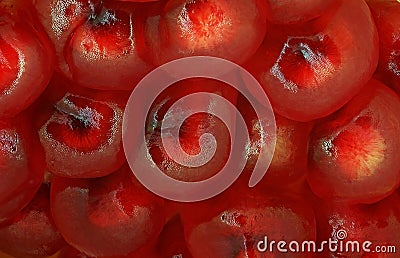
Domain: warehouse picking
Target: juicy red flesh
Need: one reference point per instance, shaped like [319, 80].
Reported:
[228, 29]
[385, 14]
[59, 19]
[83, 137]
[26, 65]
[171, 241]
[352, 153]
[22, 166]
[34, 220]
[304, 59]
[336, 138]
[289, 162]
[115, 214]
[238, 224]
[106, 51]
[190, 131]
[312, 70]
[296, 11]
[378, 223]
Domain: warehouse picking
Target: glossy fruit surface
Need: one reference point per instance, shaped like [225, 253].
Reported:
[105, 52]
[108, 216]
[312, 70]
[353, 152]
[228, 29]
[296, 11]
[83, 137]
[25, 66]
[328, 67]
[34, 220]
[232, 227]
[385, 14]
[289, 162]
[189, 133]
[377, 223]
[22, 165]
[59, 19]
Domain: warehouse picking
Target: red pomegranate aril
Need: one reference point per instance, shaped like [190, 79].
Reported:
[59, 86]
[378, 223]
[190, 131]
[26, 66]
[32, 233]
[106, 51]
[296, 11]
[289, 162]
[312, 69]
[22, 165]
[337, 129]
[228, 29]
[138, 1]
[171, 241]
[108, 216]
[386, 15]
[232, 226]
[70, 252]
[59, 19]
[352, 155]
[82, 138]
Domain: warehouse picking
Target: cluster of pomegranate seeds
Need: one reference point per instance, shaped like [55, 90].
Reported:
[331, 71]
[232, 226]
[32, 232]
[378, 222]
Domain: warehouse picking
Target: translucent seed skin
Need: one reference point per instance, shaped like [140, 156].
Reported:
[108, 216]
[353, 153]
[32, 232]
[22, 165]
[26, 65]
[83, 138]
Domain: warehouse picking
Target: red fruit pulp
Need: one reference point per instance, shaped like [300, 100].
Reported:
[16, 238]
[313, 69]
[232, 226]
[316, 57]
[352, 153]
[171, 241]
[22, 166]
[378, 223]
[296, 11]
[191, 130]
[106, 51]
[59, 19]
[25, 66]
[134, 1]
[289, 162]
[386, 15]
[228, 29]
[83, 137]
[108, 216]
